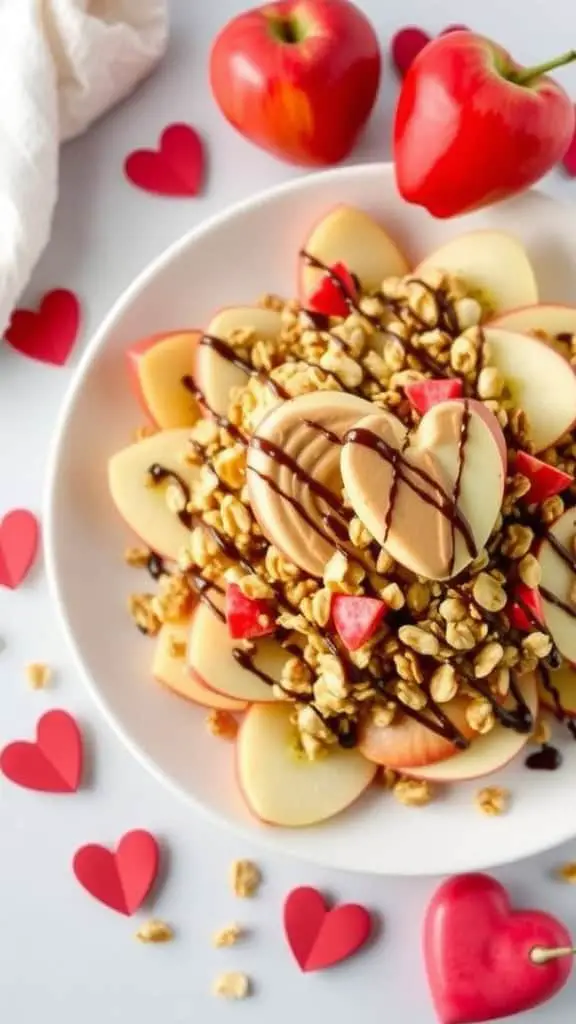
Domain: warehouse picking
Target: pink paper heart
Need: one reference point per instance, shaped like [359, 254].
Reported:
[19, 536]
[121, 878]
[176, 168]
[53, 762]
[48, 333]
[319, 937]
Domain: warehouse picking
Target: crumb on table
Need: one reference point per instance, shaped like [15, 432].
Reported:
[245, 878]
[227, 936]
[232, 985]
[567, 872]
[155, 931]
[38, 674]
[493, 800]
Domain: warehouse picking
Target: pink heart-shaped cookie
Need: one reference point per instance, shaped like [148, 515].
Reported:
[477, 951]
[430, 497]
[319, 937]
[19, 536]
[176, 168]
[47, 334]
[52, 764]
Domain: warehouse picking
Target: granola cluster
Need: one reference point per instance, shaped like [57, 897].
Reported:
[438, 640]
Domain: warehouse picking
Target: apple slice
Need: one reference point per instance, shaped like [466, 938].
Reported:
[350, 236]
[487, 753]
[280, 785]
[553, 319]
[534, 371]
[545, 480]
[156, 366]
[407, 743]
[172, 671]
[212, 662]
[493, 264]
[564, 682]
[558, 579]
[143, 507]
[215, 374]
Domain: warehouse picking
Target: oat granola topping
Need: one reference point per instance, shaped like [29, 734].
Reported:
[245, 878]
[38, 674]
[232, 985]
[155, 931]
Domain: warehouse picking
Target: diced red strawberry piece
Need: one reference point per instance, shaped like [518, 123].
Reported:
[546, 480]
[356, 618]
[246, 617]
[525, 610]
[423, 394]
[328, 297]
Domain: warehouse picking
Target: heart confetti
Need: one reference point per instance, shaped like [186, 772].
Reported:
[409, 41]
[569, 158]
[479, 952]
[176, 168]
[123, 878]
[53, 764]
[47, 334]
[19, 537]
[319, 937]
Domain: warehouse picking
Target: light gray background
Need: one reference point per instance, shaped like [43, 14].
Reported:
[64, 958]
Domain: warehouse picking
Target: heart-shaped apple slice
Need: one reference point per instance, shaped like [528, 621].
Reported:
[557, 559]
[213, 664]
[350, 236]
[534, 371]
[294, 474]
[218, 371]
[493, 264]
[142, 506]
[280, 785]
[431, 498]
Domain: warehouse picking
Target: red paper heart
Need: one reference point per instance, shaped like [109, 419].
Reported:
[477, 952]
[53, 764]
[319, 937]
[49, 333]
[19, 536]
[409, 41]
[176, 168]
[569, 158]
[122, 878]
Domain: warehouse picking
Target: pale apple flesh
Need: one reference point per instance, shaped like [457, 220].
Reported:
[281, 785]
[558, 578]
[563, 681]
[494, 265]
[534, 372]
[172, 670]
[215, 374]
[211, 659]
[407, 743]
[548, 317]
[157, 366]
[144, 507]
[350, 236]
[486, 754]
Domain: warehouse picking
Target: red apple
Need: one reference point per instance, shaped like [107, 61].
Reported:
[473, 126]
[298, 77]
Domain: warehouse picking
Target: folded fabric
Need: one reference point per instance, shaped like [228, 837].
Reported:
[62, 64]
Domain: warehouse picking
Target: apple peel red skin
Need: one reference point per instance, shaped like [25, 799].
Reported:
[497, 138]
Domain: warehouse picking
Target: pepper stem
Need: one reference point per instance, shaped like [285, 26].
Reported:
[540, 955]
[525, 76]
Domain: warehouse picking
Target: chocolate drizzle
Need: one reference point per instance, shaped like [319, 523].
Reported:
[440, 500]
[222, 421]
[463, 438]
[279, 456]
[547, 759]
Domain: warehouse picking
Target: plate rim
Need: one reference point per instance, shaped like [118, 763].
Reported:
[69, 402]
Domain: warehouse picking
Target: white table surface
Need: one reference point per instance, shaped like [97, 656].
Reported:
[63, 957]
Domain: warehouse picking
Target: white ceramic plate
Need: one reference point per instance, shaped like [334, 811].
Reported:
[232, 259]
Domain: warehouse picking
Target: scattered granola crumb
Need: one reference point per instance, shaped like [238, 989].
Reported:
[155, 931]
[141, 433]
[413, 792]
[245, 878]
[227, 936]
[232, 985]
[567, 872]
[387, 778]
[222, 724]
[493, 800]
[136, 557]
[38, 674]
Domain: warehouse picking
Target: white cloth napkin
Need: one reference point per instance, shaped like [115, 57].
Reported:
[62, 64]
